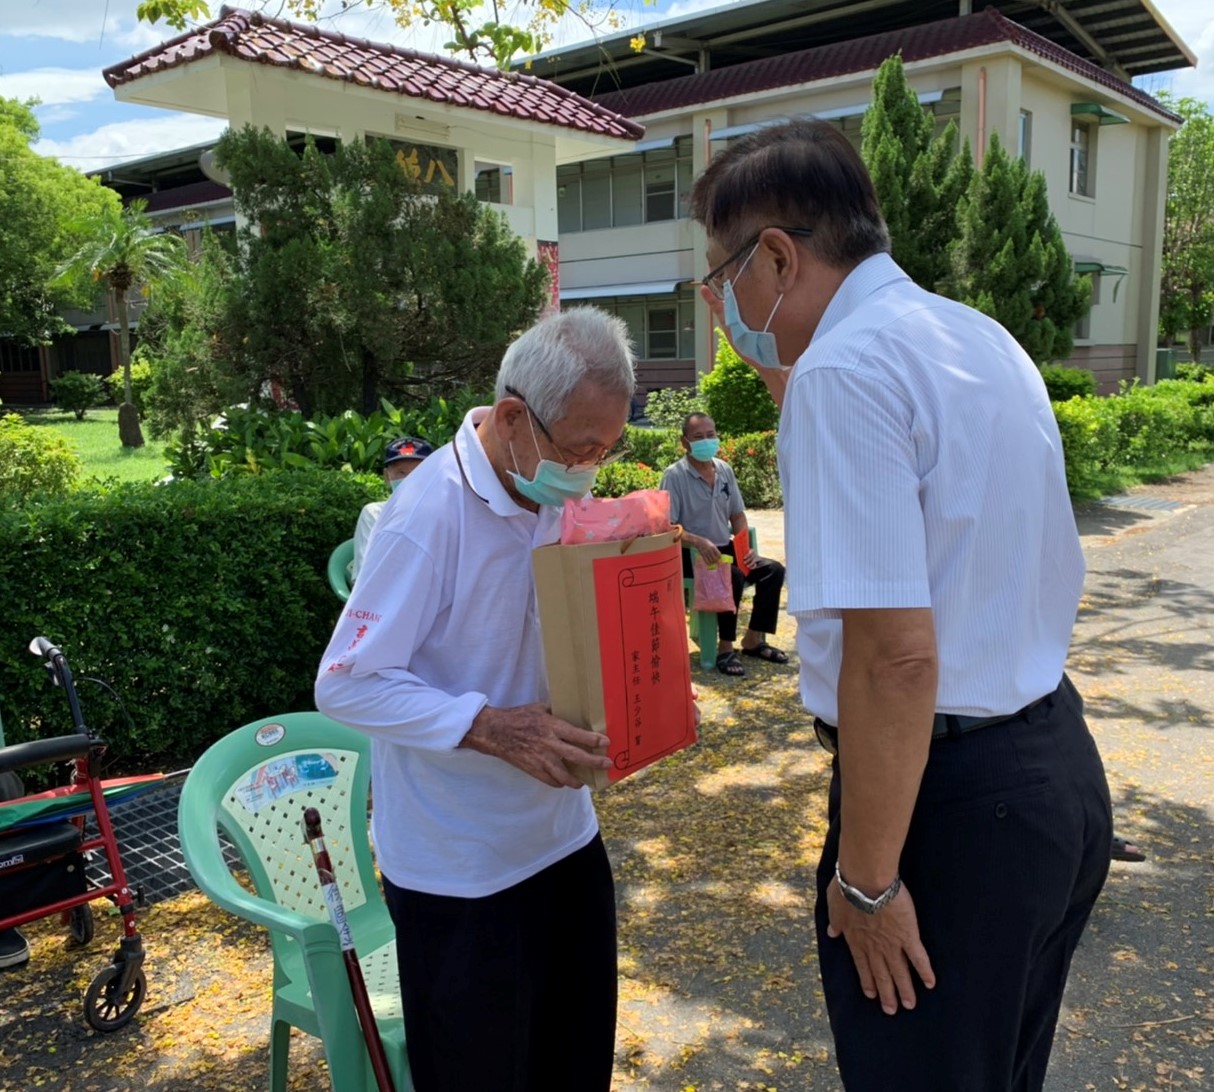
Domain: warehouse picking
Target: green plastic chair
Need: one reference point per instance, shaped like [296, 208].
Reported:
[339, 569]
[253, 786]
[703, 623]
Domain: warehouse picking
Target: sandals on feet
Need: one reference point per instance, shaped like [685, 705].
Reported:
[1125, 850]
[729, 664]
[764, 651]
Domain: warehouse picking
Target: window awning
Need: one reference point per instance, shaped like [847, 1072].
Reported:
[1102, 269]
[601, 291]
[655, 144]
[1097, 110]
[730, 131]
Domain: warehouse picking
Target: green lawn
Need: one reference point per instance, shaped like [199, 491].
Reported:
[95, 440]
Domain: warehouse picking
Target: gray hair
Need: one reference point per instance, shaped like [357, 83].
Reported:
[546, 364]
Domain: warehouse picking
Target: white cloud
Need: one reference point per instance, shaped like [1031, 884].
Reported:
[1194, 25]
[125, 140]
[81, 21]
[54, 86]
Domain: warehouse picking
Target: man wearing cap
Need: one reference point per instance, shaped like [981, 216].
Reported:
[401, 458]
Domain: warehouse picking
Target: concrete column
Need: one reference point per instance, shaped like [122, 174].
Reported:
[990, 103]
[1154, 196]
[702, 125]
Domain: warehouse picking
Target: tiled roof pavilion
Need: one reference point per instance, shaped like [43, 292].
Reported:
[440, 81]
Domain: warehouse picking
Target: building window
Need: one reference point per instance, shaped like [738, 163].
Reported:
[661, 327]
[626, 190]
[16, 357]
[1026, 137]
[1083, 181]
[494, 184]
[1083, 328]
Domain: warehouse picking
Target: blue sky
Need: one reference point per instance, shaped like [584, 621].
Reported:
[55, 50]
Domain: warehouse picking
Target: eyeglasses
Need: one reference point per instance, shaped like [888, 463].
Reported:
[573, 460]
[715, 280]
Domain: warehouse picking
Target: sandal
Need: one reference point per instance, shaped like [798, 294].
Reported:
[1125, 850]
[729, 664]
[764, 651]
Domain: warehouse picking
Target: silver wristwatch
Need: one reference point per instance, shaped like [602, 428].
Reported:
[860, 900]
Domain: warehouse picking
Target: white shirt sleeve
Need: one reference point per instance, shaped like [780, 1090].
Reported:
[849, 468]
[367, 519]
[364, 679]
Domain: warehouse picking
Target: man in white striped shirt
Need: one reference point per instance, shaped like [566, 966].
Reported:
[934, 571]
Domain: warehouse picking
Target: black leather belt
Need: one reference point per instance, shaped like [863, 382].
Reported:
[944, 725]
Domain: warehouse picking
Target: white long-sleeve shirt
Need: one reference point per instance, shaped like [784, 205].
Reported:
[441, 623]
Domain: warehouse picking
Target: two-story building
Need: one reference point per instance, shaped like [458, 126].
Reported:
[1052, 80]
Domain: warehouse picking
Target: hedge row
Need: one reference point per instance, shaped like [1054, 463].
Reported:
[203, 604]
[1141, 428]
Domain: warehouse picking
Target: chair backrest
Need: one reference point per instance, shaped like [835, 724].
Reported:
[339, 569]
[254, 784]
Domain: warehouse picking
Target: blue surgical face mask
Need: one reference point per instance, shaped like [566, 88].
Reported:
[395, 484]
[704, 450]
[552, 484]
[757, 345]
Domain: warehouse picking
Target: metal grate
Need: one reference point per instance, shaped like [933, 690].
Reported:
[1154, 504]
[146, 829]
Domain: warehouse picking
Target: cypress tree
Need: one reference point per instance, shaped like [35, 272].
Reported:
[1010, 260]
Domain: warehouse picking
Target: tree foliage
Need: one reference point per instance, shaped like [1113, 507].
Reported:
[919, 177]
[984, 237]
[1187, 291]
[1011, 262]
[45, 211]
[494, 40]
[352, 287]
[124, 249]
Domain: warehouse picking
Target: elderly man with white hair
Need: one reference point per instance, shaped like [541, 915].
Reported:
[494, 870]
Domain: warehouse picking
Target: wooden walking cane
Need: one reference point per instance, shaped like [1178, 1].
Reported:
[337, 915]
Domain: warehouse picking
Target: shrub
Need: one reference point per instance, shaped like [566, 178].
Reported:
[203, 604]
[1066, 383]
[616, 479]
[753, 459]
[1089, 441]
[33, 460]
[78, 392]
[735, 397]
[141, 382]
[1194, 373]
[249, 441]
[657, 447]
[666, 408]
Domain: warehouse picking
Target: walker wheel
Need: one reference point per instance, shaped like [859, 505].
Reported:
[104, 1007]
[80, 924]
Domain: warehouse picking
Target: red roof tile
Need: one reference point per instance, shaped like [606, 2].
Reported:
[862, 55]
[253, 37]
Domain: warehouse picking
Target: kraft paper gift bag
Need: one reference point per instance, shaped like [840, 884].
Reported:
[615, 642]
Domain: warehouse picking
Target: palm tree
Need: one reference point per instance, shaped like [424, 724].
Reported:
[123, 250]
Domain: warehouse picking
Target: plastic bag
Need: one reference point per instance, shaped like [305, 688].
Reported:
[714, 586]
[617, 519]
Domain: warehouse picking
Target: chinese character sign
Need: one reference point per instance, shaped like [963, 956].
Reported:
[434, 168]
[643, 652]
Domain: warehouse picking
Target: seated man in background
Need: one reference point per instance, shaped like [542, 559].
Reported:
[401, 458]
[705, 499]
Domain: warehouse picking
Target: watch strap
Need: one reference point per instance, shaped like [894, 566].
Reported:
[863, 902]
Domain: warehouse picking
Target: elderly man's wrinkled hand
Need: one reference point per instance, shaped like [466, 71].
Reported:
[708, 552]
[530, 738]
[884, 946]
